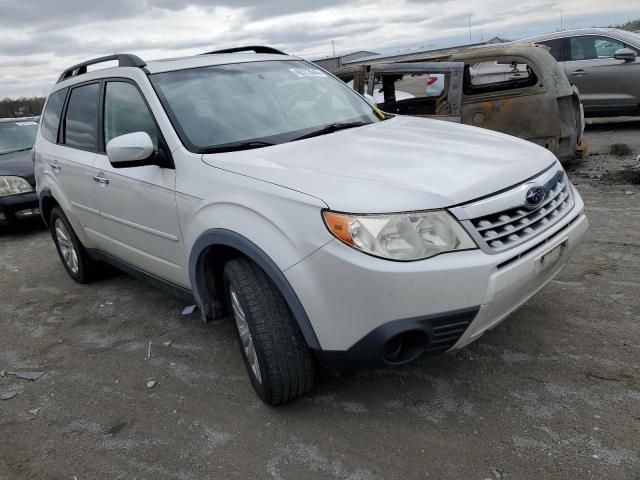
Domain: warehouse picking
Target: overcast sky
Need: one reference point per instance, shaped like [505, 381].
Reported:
[42, 37]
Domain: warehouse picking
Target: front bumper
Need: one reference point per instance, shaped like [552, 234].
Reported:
[14, 208]
[354, 301]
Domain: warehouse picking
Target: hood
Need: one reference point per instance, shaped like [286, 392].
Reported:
[402, 164]
[18, 164]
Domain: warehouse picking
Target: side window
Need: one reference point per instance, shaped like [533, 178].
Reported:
[410, 93]
[51, 116]
[498, 75]
[126, 112]
[556, 48]
[593, 48]
[81, 120]
[606, 47]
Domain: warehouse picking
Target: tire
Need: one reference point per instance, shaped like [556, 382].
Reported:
[74, 256]
[280, 365]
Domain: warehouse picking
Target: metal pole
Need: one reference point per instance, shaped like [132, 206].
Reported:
[469, 28]
[333, 45]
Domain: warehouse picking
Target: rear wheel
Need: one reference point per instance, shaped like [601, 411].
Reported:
[74, 257]
[278, 361]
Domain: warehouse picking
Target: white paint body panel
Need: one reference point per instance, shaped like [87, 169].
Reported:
[402, 164]
[139, 219]
[348, 294]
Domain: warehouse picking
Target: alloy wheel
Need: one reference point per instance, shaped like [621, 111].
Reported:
[245, 334]
[67, 249]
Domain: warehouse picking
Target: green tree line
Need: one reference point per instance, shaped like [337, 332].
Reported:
[632, 26]
[21, 107]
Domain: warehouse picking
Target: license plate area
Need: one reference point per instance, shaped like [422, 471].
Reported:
[550, 258]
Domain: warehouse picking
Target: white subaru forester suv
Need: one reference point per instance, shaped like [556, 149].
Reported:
[268, 191]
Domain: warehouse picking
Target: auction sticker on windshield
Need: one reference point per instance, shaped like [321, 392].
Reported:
[308, 72]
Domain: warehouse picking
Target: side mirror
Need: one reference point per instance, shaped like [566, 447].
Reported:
[131, 150]
[625, 54]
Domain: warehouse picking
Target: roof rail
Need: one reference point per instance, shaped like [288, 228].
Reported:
[251, 48]
[124, 60]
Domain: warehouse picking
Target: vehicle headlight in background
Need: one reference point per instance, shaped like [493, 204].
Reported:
[400, 236]
[10, 185]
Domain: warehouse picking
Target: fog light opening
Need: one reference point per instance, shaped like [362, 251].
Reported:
[405, 347]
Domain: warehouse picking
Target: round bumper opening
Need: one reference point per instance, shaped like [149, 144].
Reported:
[405, 347]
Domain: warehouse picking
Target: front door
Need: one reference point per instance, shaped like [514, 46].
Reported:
[605, 84]
[139, 218]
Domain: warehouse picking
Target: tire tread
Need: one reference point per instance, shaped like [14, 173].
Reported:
[285, 356]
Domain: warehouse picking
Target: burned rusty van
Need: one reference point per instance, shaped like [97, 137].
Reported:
[516, 89]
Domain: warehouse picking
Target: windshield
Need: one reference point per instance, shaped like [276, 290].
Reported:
[261, 102]
[18, 135]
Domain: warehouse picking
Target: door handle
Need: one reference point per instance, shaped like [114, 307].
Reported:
[55, 167]
[100, 179]
[578, 72]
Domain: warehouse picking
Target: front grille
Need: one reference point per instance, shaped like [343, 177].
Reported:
[503, 222]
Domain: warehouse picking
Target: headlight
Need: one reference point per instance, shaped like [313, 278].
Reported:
[400, 236]
[13, 186]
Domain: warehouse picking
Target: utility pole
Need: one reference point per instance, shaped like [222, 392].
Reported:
[469, 18]
[561, 21]
[333, 45]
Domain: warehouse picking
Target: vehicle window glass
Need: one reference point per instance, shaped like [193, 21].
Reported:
[18, 135]
[410, 93]
[556, 48]
[126, 112]
[51, 116]
[274, 101]
[497, 76]
[81, 121]
[593, 48]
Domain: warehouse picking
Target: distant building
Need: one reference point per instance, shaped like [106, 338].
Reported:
[333, 63]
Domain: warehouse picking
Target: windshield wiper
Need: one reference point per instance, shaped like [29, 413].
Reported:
[234, 147]
[332, 127]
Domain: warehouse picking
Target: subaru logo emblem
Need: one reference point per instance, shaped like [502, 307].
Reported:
[534, 197]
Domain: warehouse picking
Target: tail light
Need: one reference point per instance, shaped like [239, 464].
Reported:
[431, 80]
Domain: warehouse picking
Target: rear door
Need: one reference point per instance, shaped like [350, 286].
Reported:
[70, 161]
[605, 84]
[407, 89]
[139, 218]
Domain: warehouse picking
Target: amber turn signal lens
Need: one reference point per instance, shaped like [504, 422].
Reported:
[338, 225]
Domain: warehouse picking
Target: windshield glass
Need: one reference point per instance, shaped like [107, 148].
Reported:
[271, 102]
[18, 135]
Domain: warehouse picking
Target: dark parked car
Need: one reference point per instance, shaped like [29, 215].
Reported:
[18, 200]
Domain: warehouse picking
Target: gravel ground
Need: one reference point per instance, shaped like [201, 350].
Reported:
[552, 393]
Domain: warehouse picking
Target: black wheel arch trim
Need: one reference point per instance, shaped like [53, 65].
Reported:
[224, 237]
[44, 193]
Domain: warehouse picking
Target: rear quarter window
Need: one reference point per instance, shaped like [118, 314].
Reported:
[51, 116]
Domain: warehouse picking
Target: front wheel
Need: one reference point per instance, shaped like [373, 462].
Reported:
[278, 361]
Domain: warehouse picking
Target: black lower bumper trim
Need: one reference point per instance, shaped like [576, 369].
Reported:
[12, 204]
[440, 332]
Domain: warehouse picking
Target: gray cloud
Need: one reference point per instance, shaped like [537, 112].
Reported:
[42, 37]
[55, 13]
